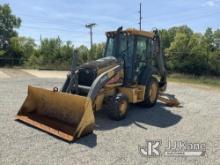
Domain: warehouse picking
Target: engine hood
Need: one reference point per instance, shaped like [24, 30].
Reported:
[100, 63]
[89, 71]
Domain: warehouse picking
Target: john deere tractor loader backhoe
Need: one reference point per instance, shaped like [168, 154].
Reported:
[131, 71]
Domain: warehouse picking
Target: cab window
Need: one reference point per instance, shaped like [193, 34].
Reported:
[141, 48]
[142, 52]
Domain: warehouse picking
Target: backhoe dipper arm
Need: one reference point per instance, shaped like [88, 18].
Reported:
[160, 58]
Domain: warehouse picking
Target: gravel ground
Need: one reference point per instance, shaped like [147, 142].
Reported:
[112, 142]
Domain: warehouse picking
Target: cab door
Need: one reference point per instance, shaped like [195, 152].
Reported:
[143, 54]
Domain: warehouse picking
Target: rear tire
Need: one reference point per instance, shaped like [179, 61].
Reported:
[151, 93]
[117, 106]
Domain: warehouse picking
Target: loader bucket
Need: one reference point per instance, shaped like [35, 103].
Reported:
[66, 116]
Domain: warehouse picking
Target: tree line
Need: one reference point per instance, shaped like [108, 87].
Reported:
[191, 52]
[185, 51]
[51, 53]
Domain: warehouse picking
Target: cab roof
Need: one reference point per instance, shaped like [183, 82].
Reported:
[134, 32]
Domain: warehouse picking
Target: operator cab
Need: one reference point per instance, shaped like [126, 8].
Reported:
[134, 48]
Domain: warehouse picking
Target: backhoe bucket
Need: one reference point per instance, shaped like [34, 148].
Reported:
[64, 115]
[169, 100]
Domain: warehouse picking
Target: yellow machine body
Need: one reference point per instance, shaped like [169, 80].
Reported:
[134, 93]
[69, 113]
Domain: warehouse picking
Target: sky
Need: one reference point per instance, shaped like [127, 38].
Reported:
[67, 18]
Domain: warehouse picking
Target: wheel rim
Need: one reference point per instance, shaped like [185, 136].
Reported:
[153, 92]
[123, 107]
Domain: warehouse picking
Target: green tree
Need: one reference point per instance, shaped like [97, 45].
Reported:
[217, 39]
[96, 51]
[208, 40]
[181, 29]
[165, 38]
[217, 33]
[214, 63]
[54, 53]
[49, 49]
[66, 51]
[198, 59]
[83, 53]
[177, 52]
[22, 47]
[8, 22]
[168, 36]
[187, 54]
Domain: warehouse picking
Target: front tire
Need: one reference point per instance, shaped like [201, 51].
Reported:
[117, 106]
[151, 93]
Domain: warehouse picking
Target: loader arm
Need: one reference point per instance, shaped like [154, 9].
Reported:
[71, 84]
[101, 80]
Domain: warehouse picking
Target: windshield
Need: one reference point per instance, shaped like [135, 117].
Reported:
[111, 45]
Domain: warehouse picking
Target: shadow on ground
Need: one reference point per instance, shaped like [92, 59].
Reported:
[158, 116]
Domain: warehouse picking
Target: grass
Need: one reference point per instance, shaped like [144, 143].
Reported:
[205, 80]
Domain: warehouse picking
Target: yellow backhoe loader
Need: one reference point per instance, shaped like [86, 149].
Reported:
[131, 71]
